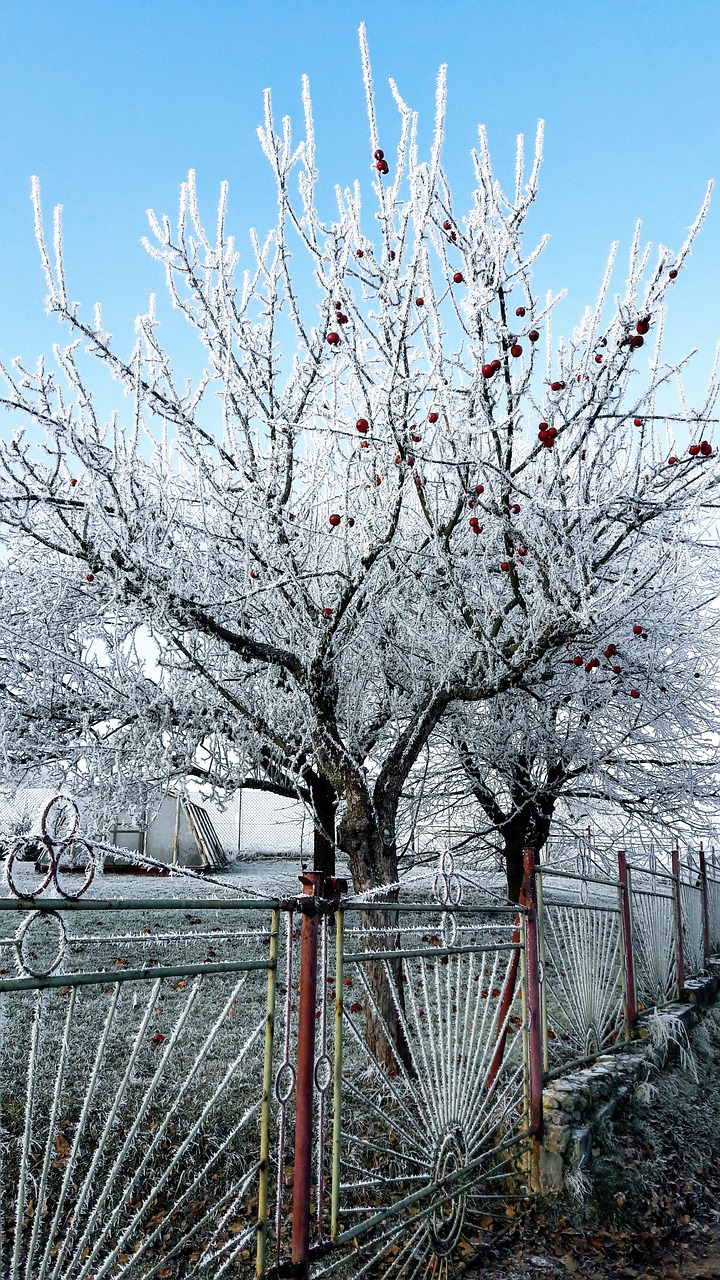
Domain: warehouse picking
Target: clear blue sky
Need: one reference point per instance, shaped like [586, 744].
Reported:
[111, 102]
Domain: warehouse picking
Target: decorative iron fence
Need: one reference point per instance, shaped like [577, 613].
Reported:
[210, 1085]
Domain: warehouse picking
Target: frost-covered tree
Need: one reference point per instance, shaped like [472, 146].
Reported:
[627, 726]
[389, 494]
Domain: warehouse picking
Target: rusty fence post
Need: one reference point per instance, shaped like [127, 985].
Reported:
[627, 941]
[707, 950]
[304, 1094]
[679, 956]
[532, 978]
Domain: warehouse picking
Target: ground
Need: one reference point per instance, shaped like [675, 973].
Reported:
[651, 1206]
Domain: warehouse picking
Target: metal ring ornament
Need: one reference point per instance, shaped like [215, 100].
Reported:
[21, 938]
[284, 1083]
[441, 888]
[323, 1073]
[70, 844]
[583, 860]
[54, 816]
[44, 847]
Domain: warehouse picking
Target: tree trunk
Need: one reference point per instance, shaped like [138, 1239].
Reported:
[324, 800]
[527, 830]
[372, 858]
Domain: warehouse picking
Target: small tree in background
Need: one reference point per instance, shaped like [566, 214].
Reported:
[626, 727]
[297, 565]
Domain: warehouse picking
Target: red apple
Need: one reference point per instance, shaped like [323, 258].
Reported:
[419, 302]
[671, 462]
[433, 417]
[333, 338]
[694, 450]
[392, 255]
[254, 573]
[673, 274]
[335, 520]
[73, 482]
[643, 326]
[611, 651]
[557, 386]
[505, 566]
[479, 488]
[378, 479]
[533, 335]
[515, 508]
[634, 693]
[474, 523]
[598, 359]
[522, 551]
[364, 444]
[382, 166]
[637, 630]
[446, 225]
[516, 350]
[458, 277]
[379, 154]
[351, 523]
[577, 661]
[589, 666]
[705, 448]
[342, 318]
[488, 370]
[89, 577]
[520, 311]
[637, 422]
[362, 425]
[543, 435]
[327, 613]
[636, 340]
[617, 670]
[552, 432]
[360, 253]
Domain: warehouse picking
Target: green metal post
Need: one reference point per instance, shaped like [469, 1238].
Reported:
[337, 1074]
[264, 1178]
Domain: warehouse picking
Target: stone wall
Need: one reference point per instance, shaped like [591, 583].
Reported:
[576, 1106]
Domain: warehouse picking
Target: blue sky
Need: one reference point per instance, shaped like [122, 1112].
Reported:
[111, 103]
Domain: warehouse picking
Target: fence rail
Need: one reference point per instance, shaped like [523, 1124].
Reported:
[218, 1085]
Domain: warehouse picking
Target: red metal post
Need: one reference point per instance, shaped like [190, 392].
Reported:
[707, 950]
[532, 979]
[630, 993]
[506, 999]
[678, 921]
[304, 1094]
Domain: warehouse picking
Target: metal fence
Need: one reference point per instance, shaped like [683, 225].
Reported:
[202, 1084]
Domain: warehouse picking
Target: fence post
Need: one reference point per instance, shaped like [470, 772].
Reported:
[304, 1095]
[707, 950]
[628, 958]
[532, 977]
[680, 959]
[264, 1176]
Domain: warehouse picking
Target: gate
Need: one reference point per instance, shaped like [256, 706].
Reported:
[209, 1086]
